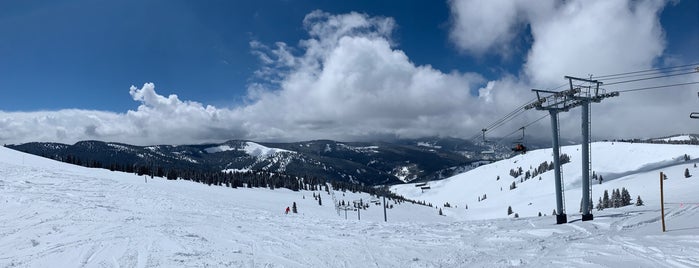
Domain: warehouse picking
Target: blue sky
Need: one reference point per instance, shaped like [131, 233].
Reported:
[85, 55]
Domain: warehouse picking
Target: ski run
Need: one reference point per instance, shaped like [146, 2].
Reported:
[58, 215]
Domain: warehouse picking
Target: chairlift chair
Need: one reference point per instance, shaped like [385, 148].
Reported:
[519, 144]
[520, 148]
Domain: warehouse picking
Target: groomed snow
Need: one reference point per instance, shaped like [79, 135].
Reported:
[59, 215]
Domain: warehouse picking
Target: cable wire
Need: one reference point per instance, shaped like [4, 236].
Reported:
[649, 70]
[656, 87]
[651, 73]
[525, 126]
[648, 78]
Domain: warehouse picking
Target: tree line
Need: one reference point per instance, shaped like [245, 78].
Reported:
[247, 179]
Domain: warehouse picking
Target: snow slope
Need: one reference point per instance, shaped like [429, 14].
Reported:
[250, 148]
[633, 166]
[58, 215]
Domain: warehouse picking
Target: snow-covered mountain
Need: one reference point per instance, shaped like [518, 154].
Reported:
[59, 215]
[376, 163]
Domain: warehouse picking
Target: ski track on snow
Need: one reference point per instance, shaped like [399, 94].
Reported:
[66, 216]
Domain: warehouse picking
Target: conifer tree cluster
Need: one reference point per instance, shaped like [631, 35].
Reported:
[596, 177]
[249, 179]
[619, 198]
[516, 172]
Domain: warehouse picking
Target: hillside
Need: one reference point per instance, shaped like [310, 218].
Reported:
[371, 163]
[633, 166]
[60, 215]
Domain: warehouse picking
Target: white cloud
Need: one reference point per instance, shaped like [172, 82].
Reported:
[345, 82]
[348, 81]
[483, 27]
[595, 37]
[580, 38]
[158, 120]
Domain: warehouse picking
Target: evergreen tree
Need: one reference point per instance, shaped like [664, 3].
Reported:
[509, 210]
[625, 197]
[539, 213]
[554, 212]
[616, 199]
[440, 212]
[639, 202]
[599, 204]
[605, 200]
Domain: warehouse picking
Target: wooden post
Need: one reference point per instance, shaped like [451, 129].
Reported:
[662, 202]
[384, 208]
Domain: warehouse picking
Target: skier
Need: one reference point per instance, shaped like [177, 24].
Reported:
[287, 210]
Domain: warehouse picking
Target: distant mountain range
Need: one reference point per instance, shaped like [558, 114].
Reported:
[370, 163]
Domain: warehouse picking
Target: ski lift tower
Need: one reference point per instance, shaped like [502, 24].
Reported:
[554, 103]
[563, 101]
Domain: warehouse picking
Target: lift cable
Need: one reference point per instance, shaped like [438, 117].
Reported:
[651, 73]
[645, 71]
[649, 78]
[509, 116]
[656, 87]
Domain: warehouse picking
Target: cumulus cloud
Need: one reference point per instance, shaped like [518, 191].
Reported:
[595, 37]
[581, 38]
[158, 120]
[349, 81]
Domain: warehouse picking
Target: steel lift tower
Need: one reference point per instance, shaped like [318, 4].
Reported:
[555, 102]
